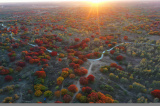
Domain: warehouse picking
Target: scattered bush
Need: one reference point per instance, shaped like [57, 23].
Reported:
[48, 93]
[113, 65]
[78, 96]
[72, 88]
[64, 91]
[83, 81]
[156, 93]
[112, 51]
[40, 74]
[8, 78]
[120, 57]
[67, 98]
[83, 99]
[90, 78]
[38, 93]
[64, 74]
[72, 76]
[57, 94]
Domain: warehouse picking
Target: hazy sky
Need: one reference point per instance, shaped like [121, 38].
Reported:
[4, 1]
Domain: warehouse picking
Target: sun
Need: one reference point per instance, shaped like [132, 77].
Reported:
[96, 1]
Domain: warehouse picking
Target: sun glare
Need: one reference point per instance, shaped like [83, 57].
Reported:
[96, 1]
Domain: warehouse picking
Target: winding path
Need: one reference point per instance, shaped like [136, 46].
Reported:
[102, 52]
[91, 61]
[77, 83]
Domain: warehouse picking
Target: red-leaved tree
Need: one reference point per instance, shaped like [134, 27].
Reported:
[156, 93]
[72, 88]
[40, 74]
[90, 78]
[83, 81]
[8, 78]
[67, 98]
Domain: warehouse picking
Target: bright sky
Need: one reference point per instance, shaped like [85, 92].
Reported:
[4, 1]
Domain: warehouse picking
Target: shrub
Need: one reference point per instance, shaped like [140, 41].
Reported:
[57, 94]
[90, 78]
[124, 80]
[7, 100]
[67, 98]
[72, 88]
[77, 39]
[21, 64]
[81, 71]
[57, 87]
[53, 53]
[60, 80]
[138, 86]
[119, 68]
[112, 76]
[8, 88]
[18, 68]
[106, 42]
[72, 76]
[112, 51]
[141, 99]
[125, 37]
[104, 69]
[78, 96]
[1, 91]
[8, 78]
[40, 74]
[70, 93]
[93, 97]
[4, 71]
[76, 66]
[48, 93]
[120, 57]
[156, 93]
[39, 87]
[113, 65]
[38, 93]
[107, 99]
[61, 55]
[97, 54]
[109, 45]
[156, 83]
[80, 61]
[87, 39]
[92, 36]
[64, 74]
[65, 69]
[83, 89]
[107, 95]
[109, 88]
[83, 81]
[16, 96]
[64, 91]
[71, 64]
[130, 86]
[83, 99]
[88, 90]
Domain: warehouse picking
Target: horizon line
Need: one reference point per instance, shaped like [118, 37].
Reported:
[77, 1]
